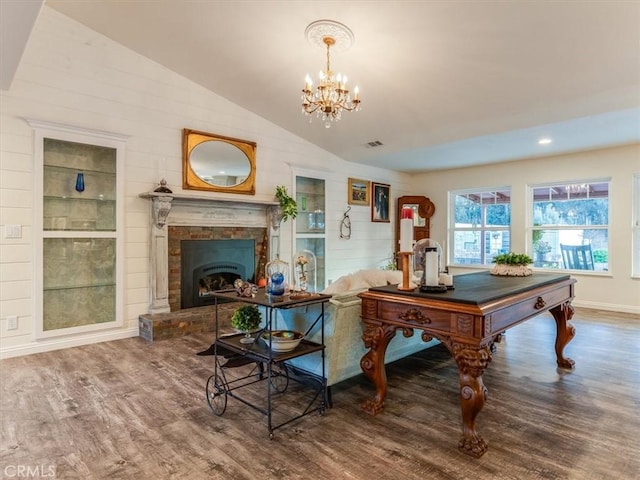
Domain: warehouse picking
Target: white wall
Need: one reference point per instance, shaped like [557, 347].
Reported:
[75, 76]
[615, 290]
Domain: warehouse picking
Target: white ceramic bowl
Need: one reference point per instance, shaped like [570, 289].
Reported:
[283, 340]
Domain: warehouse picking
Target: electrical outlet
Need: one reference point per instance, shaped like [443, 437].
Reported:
[12, 322]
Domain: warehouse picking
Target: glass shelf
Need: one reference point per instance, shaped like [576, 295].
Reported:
[86, 171]
[71, 287]
[48, 198]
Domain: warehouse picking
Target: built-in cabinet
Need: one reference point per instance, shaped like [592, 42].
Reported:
[78, 229]
[310, 223]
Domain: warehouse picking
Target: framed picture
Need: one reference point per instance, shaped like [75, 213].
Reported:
[358, 193]
[380, 204]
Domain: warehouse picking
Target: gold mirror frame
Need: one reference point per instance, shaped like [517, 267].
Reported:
[190, 179]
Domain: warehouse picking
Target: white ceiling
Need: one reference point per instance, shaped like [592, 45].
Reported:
[443, 83]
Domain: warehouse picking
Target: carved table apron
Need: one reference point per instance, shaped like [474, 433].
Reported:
[467, 320]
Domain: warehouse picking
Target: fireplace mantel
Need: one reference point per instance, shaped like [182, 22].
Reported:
[163, 203]
[193, 210]
[208, 199]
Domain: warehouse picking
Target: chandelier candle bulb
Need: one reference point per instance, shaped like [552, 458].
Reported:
[406, 230]
[431, 266]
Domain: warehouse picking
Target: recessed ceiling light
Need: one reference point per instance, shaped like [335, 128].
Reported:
[544, 141]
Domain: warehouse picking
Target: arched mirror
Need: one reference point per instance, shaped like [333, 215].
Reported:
[423, 210]
[218, 164]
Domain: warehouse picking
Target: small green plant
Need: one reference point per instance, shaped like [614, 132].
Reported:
[512, 259]
[600, 256]
[288, 204]
[246, 318]
[390, 265]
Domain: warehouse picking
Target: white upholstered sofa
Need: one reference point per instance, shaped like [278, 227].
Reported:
[343, 328]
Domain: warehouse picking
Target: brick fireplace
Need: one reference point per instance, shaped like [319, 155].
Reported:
[177, 221]
[223, 245]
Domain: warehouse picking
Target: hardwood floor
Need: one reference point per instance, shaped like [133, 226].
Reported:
[132, 410]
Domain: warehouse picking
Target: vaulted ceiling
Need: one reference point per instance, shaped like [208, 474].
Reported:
[443, 83]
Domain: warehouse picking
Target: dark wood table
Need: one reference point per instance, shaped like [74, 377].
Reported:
[468, 321]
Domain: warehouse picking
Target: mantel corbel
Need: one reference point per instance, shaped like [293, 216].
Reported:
[161, 208]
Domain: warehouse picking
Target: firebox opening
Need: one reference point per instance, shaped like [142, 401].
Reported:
[210, 265]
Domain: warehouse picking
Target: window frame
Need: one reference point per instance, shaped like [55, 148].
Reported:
[450, 252]
[531, 227]
[635, 228]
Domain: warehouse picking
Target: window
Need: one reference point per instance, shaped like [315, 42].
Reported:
[480, 225]
[570, 228]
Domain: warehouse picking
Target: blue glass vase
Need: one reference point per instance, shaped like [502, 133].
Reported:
[277, 277]
[80, 182]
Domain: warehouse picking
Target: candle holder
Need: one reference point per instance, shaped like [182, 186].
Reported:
[404, 260]
[428, 254]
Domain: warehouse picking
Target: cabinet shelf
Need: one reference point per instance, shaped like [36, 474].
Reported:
[78, 199]
[49, 199]
[74, 171]
[260, 348]
[77, 286]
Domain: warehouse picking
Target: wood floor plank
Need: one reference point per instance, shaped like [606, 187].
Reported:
[130, 410]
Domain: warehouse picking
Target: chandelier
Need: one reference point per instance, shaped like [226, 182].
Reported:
[331, 96]
[577, 188]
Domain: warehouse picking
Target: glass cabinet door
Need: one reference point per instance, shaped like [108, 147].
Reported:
[311, 222]
[79, 282]
[79, 188]
[79, 176]
[315, 246]
[310, 200]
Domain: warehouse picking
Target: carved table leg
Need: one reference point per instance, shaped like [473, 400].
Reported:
[565, 332]
[376, 338]
[472, 361]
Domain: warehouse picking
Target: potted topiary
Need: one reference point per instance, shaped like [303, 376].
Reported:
[512, 265]
[246, 318]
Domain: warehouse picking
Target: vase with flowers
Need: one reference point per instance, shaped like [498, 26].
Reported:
[304, 263]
